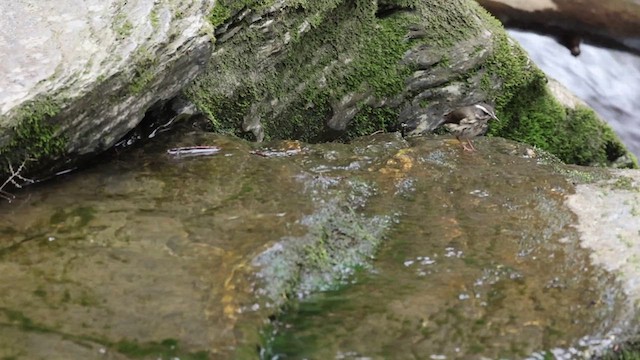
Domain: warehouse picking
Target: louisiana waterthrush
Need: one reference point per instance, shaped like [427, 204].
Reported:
[468, 122]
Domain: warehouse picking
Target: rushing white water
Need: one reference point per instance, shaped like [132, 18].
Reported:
[608, 80]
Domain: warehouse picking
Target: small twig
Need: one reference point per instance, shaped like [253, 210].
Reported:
[14, 174]
[194, 151]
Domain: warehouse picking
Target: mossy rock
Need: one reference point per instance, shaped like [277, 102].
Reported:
[327, 70]
[35, 138]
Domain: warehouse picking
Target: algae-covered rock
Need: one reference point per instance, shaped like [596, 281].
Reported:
[336, 69]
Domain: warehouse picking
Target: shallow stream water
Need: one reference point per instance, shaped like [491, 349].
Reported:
[153, 255]
[484, 264]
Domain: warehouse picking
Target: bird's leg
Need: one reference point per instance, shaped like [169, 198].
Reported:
[464, 146]
[473, 148]
[461, 143]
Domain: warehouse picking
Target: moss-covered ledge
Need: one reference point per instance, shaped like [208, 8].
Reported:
[531, 114]
[35, 138]
[332, 69]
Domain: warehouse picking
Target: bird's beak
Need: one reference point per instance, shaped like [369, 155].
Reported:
[495, 117]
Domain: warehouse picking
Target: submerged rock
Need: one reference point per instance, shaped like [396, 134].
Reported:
[383, 246]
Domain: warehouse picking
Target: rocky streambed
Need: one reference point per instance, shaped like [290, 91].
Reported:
[385, 247]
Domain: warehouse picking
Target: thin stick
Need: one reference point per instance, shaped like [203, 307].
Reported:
[15, 174]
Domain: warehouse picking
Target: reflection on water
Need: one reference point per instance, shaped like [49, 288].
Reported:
[608, 80]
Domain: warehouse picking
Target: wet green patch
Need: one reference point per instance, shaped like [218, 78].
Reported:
[165, 349]
[77, 217]
[337, 242]
[19, 319]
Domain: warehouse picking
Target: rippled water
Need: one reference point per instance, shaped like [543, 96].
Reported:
[479, 267]
[608, 80]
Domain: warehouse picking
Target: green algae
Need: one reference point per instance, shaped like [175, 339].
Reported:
[225, 9]
[338, 241]
[77, 217]
[165, 349]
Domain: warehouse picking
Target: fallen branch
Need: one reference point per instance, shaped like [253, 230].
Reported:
[193, 151]
[14, 179]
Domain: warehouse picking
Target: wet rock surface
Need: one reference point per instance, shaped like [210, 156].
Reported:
[409, 247]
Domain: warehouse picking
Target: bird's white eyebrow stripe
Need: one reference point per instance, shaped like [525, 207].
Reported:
[482, 108]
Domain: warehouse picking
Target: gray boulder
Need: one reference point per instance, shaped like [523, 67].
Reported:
[76, 76]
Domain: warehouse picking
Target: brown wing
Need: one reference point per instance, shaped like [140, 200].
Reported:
[455, 116]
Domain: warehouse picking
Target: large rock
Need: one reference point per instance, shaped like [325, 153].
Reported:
[336, 69]
[78, 75]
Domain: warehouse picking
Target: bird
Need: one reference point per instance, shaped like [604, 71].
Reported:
[467, 122]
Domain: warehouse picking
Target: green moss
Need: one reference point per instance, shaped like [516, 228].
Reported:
[319, 68]
[302, 121]
[625, 183]
[369, 120]
[530, 114]
[122, 26]
[444, 25]
[224, 9]
[219, 15]
[144, 72]
[356, 48]
[154, 18]
[34, 137]
[166, 349]
[376, 56]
